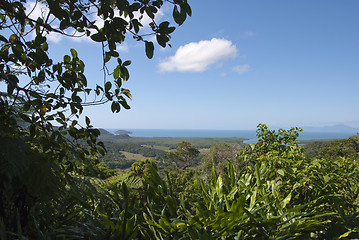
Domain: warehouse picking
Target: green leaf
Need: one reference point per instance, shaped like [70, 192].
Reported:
[12, 83]
[40, 39]
[164, 25]
[17, 49]
[186, 7]
[98, 37]
[56, 10]
[149, 12]
[2, 38]
[67, 59]
[124, 73]
[127, 93]
[115, 107]
[73, 53]
[326, 178]
[12, 38]
[287, 200]
[162, 40]
[179, 16]
[107, 57]
[106, 220]
[171, 205]
[116, 72]
[125, 105]
[114, 53]
[87, 120]
[149, 49]
[344, 235]
[127, 63]
[108, 86]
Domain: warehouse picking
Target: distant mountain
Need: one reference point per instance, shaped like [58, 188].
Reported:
[332, 129]
[122, 132]
[104, 132]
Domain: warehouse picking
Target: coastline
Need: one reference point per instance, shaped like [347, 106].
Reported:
[248, 134]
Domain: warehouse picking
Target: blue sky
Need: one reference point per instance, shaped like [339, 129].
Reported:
[238, 63]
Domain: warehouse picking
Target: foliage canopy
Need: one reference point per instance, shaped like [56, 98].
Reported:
[40, 110]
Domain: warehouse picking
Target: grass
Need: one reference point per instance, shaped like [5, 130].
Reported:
[133, 156]
[159, 147]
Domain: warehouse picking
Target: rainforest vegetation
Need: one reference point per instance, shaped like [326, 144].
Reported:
[56, 181]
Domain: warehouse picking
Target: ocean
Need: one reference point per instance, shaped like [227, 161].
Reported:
[250, 134]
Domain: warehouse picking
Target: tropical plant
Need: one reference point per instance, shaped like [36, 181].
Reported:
[280, 194]
[46, 152]
[184, 154]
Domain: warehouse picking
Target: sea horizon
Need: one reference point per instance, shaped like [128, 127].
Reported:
[212, 133]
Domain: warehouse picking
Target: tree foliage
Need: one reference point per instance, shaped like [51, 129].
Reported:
[279, 193]
[41, 91]
[45, 147]
[184, 154]
[219, 155]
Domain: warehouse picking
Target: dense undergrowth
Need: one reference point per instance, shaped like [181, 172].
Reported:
[272, 191]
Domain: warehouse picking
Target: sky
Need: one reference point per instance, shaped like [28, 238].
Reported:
[235, 64]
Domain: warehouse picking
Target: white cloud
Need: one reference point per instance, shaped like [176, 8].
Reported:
[54, 37]
[242, 68]
[36, 10]
[122, 47]
[250, 34]
[198, 56]
[146, 20]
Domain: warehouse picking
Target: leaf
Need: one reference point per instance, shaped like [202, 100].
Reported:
[107, 57]
[67, 59]
[149, 49]
[115, 107]
[162, 40]
[17, 49]
[56, 10]
[73, 53]
[187, 8]
[116, 72]
[127, 93]
[108, 86]
[179, 16]
[12, 37]
[25, 117]
[12, 83]
[106, 220]
[114, 53]
[150, 13]
[164, 25]
[43, 110]
[171, 205]
[344, 235]
[219, 186]
[326, 178]
[87, 120]
[2, 38]
[127, 63]
[98, 37]
[286, 200]
[10, 89]
[125, 105]
[124, 73]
